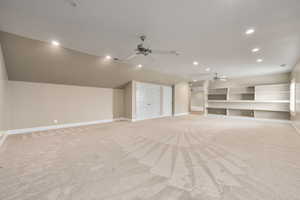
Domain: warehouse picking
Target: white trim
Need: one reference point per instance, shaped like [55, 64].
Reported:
[248, 118]
[45, 128]
[166, 115]
[157, 117]
[122, 119]
[3, 136]
[180, 114]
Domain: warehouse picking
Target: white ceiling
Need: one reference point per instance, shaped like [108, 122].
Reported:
[208, 31]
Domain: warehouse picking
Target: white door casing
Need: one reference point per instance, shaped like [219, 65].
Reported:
[167, 101]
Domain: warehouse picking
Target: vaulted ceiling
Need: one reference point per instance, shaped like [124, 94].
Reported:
[211, 32]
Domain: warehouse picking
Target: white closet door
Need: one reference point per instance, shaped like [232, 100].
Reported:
[153, 101]
[167, 101]
[147, 101]
[141, 101]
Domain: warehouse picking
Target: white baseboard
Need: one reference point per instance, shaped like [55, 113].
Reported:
[180, 114]
[157, 117]
[247, 118]
[121, 119]
[197, 108]
[3, 136]
[45, 128]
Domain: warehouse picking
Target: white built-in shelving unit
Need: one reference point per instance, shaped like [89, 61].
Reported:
[261, 101]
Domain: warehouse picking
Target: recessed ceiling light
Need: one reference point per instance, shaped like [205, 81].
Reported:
[139, 66]
[250, 31]
[108, 57]
[259, 60]
[195, 63]
[255, 50]
[55, 43]
[194, 80]
[207, 69]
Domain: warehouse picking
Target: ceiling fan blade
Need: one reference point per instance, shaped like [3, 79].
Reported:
[223, 79]
[162, 52]
[121, 61]
[132, 56]
[219, 78]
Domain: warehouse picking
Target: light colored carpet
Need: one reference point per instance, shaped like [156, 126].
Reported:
[182, 158]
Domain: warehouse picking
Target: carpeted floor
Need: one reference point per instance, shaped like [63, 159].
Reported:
[180, 158]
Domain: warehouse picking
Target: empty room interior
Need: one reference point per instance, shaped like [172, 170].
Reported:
[150, 100]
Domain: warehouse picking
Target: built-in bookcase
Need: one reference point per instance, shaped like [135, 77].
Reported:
[217, 111]
[217, 94]
[239, 112]
[261, 101]
[243, 93]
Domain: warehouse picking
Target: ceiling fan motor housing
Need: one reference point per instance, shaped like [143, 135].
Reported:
[142, 50]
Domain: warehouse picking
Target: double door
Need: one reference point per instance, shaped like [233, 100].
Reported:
[148, 101]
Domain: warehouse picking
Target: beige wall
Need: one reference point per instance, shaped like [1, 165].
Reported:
[118, 103]
[39, 104]
[295, 117]
[128, 100]
[4, 112]
[197, 100]
[181, 100]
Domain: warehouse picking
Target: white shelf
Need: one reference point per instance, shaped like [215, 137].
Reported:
[267, 119]
[242, 92]
[248, 101]
[219, 91]
[258, 109]
[272, 110]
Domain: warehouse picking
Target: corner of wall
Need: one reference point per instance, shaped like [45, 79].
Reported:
[295, 76]
[181, 98]
[128, 100]
[4, 99]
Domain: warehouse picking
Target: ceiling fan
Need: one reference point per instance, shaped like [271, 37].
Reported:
[141, 50]
[209, 76]
[219, 78]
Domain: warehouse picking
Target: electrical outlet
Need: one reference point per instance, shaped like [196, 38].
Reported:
[55, 121]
